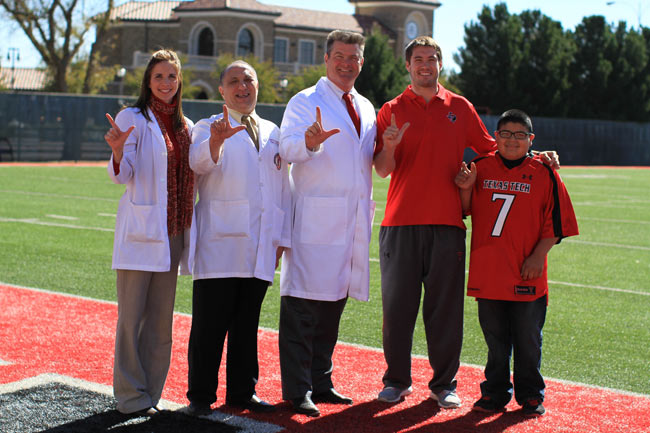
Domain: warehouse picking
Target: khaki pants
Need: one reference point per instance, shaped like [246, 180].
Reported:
[143, 340]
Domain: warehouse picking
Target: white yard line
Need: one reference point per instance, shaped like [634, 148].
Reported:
[111, 215]
[62, 217]
[609, 289]
[36, 221]
[611, 220]
[47, 194]
[604, 244]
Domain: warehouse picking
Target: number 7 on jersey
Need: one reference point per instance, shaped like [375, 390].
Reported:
[508, 199]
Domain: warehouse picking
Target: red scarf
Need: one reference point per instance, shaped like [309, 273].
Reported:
[180, 178]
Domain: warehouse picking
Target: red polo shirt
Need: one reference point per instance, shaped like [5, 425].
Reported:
[422, 189]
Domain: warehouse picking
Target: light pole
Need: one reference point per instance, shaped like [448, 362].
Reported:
[638, 8]
[283, 85]
[121, 73]
[13, 55]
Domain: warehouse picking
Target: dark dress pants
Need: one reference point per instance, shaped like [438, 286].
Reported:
[308, 333]
[223, 306]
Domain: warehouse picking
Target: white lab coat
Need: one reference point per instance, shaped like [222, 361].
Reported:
[243, 212]
[332, 198]
[141, 240]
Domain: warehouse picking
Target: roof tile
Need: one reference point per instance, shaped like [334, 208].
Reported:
[23, 78]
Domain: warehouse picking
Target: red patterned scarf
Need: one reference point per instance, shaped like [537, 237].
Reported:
[180, 178]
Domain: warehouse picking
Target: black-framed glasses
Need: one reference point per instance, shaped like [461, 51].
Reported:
[519, 135]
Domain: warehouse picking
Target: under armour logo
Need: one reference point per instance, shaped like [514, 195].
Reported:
[452, 117]
[529, 176]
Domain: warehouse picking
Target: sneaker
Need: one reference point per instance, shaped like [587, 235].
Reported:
[533, 407]
[446, 399]
[392, 394]
[486, 404]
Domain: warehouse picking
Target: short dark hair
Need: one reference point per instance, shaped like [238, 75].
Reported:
[236, 63]
[516, 116]
[422, 41]
[347, 37]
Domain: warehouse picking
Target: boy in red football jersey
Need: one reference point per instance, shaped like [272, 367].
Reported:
[520, 208]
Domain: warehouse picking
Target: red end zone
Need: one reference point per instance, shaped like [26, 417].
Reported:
[44, 332]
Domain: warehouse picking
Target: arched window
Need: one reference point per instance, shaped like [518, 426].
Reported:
[245, 43]
[206, 43]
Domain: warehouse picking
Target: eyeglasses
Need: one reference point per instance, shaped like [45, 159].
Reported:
[519, 135]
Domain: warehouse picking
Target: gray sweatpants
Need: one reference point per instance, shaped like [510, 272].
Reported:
[411, 257]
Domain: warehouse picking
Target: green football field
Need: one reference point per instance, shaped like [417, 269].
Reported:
[56, 233]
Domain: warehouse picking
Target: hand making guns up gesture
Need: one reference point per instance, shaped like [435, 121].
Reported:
[116, 138]
[316, 134]
[220, 130]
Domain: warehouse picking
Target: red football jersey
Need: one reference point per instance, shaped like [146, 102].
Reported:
[512, 209]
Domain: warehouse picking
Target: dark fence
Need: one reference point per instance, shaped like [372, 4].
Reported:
[54, 127]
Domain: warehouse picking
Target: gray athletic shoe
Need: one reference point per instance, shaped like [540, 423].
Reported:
[391, 394]
[446, 399]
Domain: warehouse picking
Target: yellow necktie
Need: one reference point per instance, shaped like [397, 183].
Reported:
[250, 128]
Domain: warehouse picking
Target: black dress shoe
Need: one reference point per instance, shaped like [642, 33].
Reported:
[199, 409]
[254, 404]
[331, 396]
[305, 406]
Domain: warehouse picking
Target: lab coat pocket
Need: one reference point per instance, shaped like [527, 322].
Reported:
[324, 220]
[229, 219]
[278, 222]
[144, 223]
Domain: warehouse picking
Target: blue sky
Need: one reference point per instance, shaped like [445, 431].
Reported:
[448, 25]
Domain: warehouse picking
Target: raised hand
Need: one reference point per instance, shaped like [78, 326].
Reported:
[316, 134]
[116, 138]
[392, 135]
[220, 130]
[466, 176]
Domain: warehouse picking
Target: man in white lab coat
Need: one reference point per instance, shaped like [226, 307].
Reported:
[328, 133]
[243, 225]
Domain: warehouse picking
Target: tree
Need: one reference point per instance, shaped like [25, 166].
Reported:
[543, 76]
[491, 57]
[102, 22]
[383, 75]
[57, 29]
[610, 74]
[77, 77]
[306, 78]
[592, 68]
[515, 61]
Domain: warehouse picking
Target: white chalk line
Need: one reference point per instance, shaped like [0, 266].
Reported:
[47, 194]
[62, 217]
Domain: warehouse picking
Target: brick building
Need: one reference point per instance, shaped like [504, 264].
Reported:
[291, 38]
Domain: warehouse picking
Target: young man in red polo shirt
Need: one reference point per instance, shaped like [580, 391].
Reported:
[520, 208]
[422, 236]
